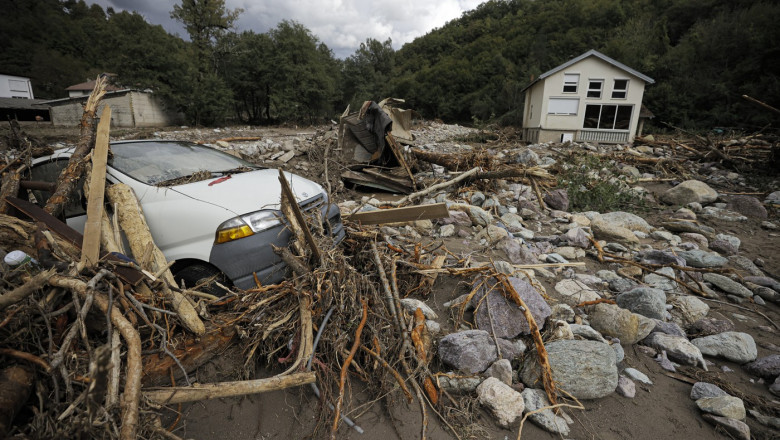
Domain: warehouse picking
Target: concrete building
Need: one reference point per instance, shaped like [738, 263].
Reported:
[129, 108]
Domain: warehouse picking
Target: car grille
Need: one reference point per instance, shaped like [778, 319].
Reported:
[312, 203]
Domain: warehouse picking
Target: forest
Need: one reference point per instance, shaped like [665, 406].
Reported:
[703, 54]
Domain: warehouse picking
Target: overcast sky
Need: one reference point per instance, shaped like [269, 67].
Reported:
[341, 24]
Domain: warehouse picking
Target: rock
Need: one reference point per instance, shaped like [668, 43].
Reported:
[562, 312]
[620, 354]
[459, 385]
[622, 285]
[586, 369]
[637, 375]
[627, 220]
[516, 252]
[629, 271]
[586, 332]
[670, 328]
[513, 222]
[492, 234]
[501, 400]
[447, 231]
[721, 214]
[558, 199]
[411, 304]
[764, 281]
[626, 387]
[575, 237]
[501, 370]
[660, 280]
[678, 348]
[457, 218]
[702, 259]
[773, 198]
[723, 247]
[734, 346]
[646, 301]
[688, 309]
[684, 214]
[503, 316]
[527, 157]
[735, 241]
[747, 205]
[767, 367]
[472, 351]
[689, 191]
[706, 389]
[766, 294]
[575, 292]
[477, 199]
[728, 285]
[725, 406]
[736, 429]
[744, 263]
[662, 236]
[660, 257]
[535, 399]
[609, 231]
[710, 326]
[772, 422]
[699, 239]
[613, 321]
[775, 387]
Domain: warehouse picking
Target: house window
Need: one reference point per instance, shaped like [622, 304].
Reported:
[570, 82]
[17, 86]
[563, 106]
[607, 117]
[594, 88]
[620, 89]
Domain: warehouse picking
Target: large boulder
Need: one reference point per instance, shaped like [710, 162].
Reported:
[623, 324]
[503, 316]
[734, 346]
[586, 369]
[689, 191]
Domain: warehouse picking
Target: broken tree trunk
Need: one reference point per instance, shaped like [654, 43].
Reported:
[9, 187]
[15, 386]
[172, 395]
[66, 182]
[436, 187]
[90, 247]
[132, 221]
[191, 353]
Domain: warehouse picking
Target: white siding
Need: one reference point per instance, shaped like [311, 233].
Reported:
[15, 87]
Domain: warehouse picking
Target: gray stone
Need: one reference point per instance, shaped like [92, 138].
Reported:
[447, 231]
[607, 275]
[477, 199]
[614, 321]
[685, 214]
[501, 370]
[735, 428]
[558, 199]
[687, 309]
[634, 374]
[458, 384]
[615, 247]
[702, 259]
[775, 387]
[734, 346]
[535, 399]
[723, 247]
[458, 218]
[735, 241]
[699, 239]
[662, 235]
[513, 222]
[626, 387]
[562, 312]
[710, 326]
[586, 332]
[688, 226]
[556, 258]
[575, 292]
[745, 263]
[501, 400]
[527, 157]
[747, 205]
[586, 369]
[678, 348]
[773, 198]
[660, 257]
[724, 406]
[627, 220]
[604, 230]
[706, 389]
[767, 367]
[492, 234]
[764, 281]
[660, 279]
[689, 191]
[411, 305]
[646, 301]
[516, 252]
[472, 351]
[723, 214]
[575, 237]
[728, 285]
[503, 316]
[772, 422]
[622, 285]
[620, 354]
[670, 328]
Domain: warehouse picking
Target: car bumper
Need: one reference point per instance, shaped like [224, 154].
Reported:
[242, 259]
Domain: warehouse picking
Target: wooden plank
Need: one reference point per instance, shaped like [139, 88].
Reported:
[128, 274]
[400, 181]
[366, 180]
[405, 214]
[297, 216]
[90, 249]
[396, 149]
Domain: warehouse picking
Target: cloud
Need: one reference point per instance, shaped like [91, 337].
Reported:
[341, 24]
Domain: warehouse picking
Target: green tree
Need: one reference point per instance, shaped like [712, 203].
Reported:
[367, 71]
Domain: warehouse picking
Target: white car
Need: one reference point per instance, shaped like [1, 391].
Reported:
[222, 222]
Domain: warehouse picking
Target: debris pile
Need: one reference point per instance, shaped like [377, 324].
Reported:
[549, 302]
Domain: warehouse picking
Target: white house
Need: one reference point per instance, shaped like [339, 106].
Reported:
[590, 98]
[15, 87]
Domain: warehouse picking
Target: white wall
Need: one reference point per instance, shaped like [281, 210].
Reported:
[15, 87]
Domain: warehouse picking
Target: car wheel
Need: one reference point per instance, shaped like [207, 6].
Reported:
[198, 274]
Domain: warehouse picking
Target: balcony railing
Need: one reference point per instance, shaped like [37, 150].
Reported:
[604, 136]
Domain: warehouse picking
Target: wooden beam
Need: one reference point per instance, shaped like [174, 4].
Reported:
[405, 214]
[295, 217]
[90, 249]
[399, 155]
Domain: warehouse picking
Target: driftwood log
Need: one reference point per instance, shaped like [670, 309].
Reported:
[132, 221]
[191, 353]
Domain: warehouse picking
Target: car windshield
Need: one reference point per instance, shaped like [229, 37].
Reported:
[173, 163]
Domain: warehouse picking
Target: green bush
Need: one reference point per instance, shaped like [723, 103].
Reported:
[594, 183]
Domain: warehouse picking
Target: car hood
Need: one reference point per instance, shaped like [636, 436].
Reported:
[243, 193]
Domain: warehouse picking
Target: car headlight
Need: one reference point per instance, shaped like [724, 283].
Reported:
[246, 225]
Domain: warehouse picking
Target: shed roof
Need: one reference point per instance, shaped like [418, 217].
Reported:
[90, 85]
[592, 53]
[85, 97]
[23, 104]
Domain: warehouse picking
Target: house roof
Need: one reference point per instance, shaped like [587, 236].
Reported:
[23, 104]
[592, 53]
[85, 97]
[90, 85]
